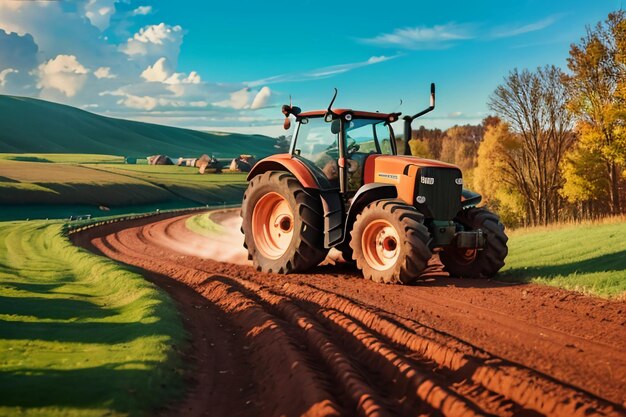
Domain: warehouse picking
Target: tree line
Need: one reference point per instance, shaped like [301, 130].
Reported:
[555, 149]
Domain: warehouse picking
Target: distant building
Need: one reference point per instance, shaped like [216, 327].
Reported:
[243, 164]
[160, 160]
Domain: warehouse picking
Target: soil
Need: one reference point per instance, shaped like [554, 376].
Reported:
[330, 343]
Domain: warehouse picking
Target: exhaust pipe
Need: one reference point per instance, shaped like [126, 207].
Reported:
[408, 120]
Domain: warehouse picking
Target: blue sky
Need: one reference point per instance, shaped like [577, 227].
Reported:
[228, 65]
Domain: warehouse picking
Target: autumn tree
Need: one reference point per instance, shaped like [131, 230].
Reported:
[497, 174]
[597, 90]
[459, 146]
[534, 106]
[586, 185]
[420, 148]
[432, 138]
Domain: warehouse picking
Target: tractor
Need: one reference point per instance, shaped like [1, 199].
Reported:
[343, 185]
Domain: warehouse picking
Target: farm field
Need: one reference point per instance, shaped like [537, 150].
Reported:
[75, 184]
[80, 335]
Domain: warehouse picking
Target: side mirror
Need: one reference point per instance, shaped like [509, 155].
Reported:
[287, 123]
[335, 126]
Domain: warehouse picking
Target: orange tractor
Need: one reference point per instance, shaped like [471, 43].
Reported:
[344, 186]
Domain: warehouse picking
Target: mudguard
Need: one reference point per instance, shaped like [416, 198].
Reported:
[308, 176]
[285, 162]
[470, 198]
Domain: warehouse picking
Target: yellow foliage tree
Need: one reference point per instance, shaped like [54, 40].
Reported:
[494, 176]
[597, 91]
[583, 171]
[419, 148]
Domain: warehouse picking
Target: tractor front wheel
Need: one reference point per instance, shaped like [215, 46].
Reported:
[282, 224]
[389, 242]
[478, 263]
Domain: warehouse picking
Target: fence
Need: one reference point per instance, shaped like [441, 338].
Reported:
[80, 225]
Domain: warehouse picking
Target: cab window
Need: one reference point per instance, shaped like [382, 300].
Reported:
[317, 141]
[368, 136]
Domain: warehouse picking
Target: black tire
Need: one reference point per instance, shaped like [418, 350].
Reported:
[346, 251]
[413, 248]
[484, 263]
[306, 248]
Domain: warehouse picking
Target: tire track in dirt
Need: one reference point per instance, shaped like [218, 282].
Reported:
[333, 344]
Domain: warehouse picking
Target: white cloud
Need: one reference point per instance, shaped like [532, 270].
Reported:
[422, 37]
[99, 12]
[155, 41]
[180, 78]
[157, 71]
[4, 73]
[238, 99]
[510, 31]
[160, 71]
[261, 99]
[137, 102]
[59, 30]
[319, 73]
[63, 57]
[63, 73]
[377, 59]
[141, 98]
[104, 72]
[142, 11]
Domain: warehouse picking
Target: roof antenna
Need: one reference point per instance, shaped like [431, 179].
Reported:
[330, 115]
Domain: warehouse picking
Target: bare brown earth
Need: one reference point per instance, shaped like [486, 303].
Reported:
[330, 343]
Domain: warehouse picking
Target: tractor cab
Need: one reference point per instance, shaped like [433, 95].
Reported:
[337, 147]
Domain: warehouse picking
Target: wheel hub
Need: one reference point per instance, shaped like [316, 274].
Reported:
[380, 243]
[272, 225]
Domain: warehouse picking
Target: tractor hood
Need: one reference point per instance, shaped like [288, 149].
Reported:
[396, 164]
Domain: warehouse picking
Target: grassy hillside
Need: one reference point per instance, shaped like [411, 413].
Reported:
[80, 335]
[588, 258]
[35, 126]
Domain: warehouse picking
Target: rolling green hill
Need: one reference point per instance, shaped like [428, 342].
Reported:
[29, 125]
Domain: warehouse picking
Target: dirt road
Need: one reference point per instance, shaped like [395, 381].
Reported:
[331, 343]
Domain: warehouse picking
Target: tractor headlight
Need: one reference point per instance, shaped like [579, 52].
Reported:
[348, 117]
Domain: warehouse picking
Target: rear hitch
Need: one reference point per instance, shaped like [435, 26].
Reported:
[474, 239]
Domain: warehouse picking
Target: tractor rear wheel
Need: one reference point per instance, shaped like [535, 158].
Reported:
[389, 242]
[478, 263]
[282, 224]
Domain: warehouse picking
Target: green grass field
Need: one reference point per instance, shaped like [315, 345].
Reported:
[203, 225]
[62, 158]
[587, 258]
[80, 335]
